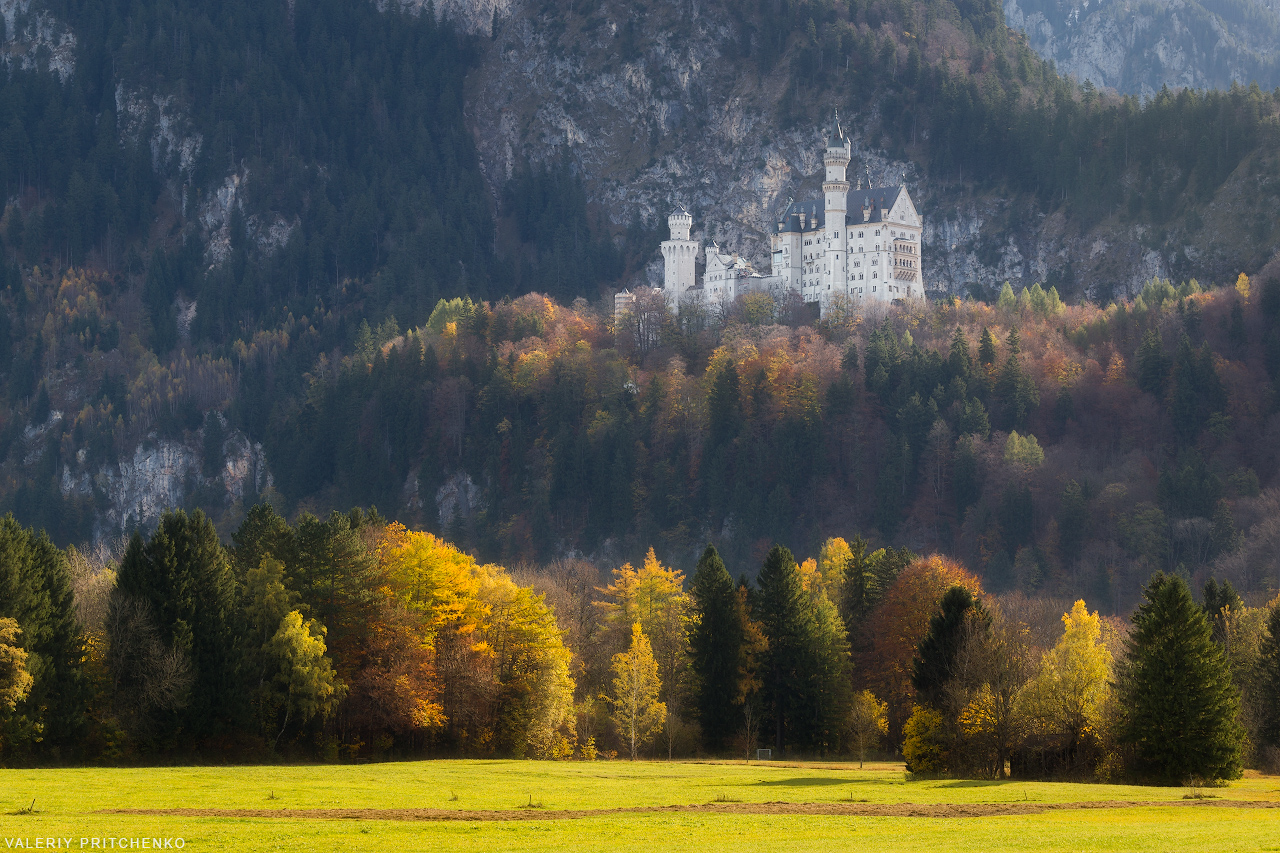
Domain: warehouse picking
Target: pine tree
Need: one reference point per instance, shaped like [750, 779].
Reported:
[182, 575]
[959, 362]
[1178, 703]
[716, 642]
[932, 669]
[1153, 364]
[35, 591]
[987, 348]
[780, 607]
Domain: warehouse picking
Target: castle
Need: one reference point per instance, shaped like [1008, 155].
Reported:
[861, 246]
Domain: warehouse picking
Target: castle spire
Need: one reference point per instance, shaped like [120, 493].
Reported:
[837, 132]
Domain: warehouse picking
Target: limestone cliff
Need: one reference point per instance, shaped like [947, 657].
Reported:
[1138, 46]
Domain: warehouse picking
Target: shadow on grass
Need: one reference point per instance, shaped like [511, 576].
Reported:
[975, 783]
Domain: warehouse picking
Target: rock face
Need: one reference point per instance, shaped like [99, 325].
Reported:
[667, 118]
[1138, 46]
[36, 40]
[164, 474]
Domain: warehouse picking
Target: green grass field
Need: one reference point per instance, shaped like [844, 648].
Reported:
[68, 805]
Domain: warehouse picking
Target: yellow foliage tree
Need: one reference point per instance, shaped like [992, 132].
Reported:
[15, 681]
[832, 558]
[868, 722]
[1242, 286]
[1062, 706]
[654, 597]
[636, 710]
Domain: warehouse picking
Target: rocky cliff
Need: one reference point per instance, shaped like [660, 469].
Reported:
[1139, 46]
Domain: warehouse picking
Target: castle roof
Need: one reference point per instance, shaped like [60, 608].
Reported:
[836, 139]
[878, 200]
[814, 216]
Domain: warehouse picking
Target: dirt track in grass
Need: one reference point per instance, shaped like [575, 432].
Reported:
[933, 810]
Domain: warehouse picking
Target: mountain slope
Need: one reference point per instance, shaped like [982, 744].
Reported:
[1140, 46]
[219, 213]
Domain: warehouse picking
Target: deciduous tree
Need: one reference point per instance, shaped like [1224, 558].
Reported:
[636, 710]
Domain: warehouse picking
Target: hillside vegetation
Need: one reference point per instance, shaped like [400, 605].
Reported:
[228, 227]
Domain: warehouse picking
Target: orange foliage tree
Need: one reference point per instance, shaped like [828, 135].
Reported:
[897, 625]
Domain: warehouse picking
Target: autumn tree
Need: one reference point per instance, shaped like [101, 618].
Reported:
[1178, 704]
[294, 680]
[636, 710]
[897, 625]
[653, 596]
[531, 668]
[1064, 703]
[304, 678]
[868, 722]
[988, 674]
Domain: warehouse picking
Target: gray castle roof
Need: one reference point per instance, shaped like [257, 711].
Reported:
[877, 200]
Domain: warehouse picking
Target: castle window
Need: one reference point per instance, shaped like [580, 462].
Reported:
[859, 237]
[877, 232]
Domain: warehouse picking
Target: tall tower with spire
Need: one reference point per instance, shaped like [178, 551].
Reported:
[679, 254]
[836, 189]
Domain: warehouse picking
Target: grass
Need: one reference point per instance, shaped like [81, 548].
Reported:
[69, 799]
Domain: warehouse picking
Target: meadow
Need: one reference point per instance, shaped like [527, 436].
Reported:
[568, 806]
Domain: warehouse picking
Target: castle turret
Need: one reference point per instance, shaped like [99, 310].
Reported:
[836, 189]
[679, 254]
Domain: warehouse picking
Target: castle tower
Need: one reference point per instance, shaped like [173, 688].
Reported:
[679, 254]
[836, 189]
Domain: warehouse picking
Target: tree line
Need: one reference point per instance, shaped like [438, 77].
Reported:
[354, 637]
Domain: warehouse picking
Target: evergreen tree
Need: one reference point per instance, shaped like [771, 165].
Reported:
[182, 576]
[934, 664]
[717, 644]
[781, 608]
[1006, 301]
[1153, 364]
[987, 349]
[35, 592]
[959, 362]
[1178, 703]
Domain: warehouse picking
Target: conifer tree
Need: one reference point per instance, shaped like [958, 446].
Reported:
[1179, 705]
[1153, 364]
[182, 575]
[987, 348]
[35, 592]
[935, 658]
[780, 607]
[959, 362]
[1006, 301]
[716, 640]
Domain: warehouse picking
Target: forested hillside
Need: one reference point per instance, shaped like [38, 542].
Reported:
[284, 252]
[1052, 448]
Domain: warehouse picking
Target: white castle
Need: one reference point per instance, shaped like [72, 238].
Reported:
[861, 246]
